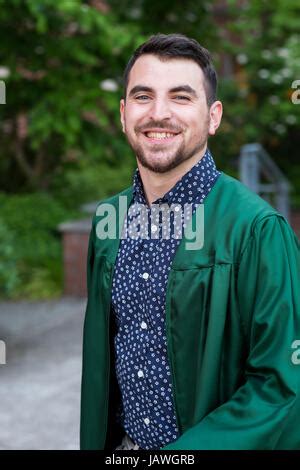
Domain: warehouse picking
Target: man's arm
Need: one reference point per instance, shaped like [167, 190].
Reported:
[268, 293]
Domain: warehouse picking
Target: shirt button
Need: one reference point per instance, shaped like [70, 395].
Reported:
[144, 325]
[140, 373]
[145, 275]
[147, 421]
[153, 228]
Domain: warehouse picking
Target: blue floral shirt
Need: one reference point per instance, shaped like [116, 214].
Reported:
[138, 299]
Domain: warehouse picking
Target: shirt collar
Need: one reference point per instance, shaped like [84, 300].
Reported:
[189, 188]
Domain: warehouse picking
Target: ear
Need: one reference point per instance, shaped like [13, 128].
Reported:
[215, 112]
[122, 114]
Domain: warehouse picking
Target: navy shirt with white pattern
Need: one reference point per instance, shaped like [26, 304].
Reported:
[138, 299]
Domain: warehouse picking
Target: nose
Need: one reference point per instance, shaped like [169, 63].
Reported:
[160, 110]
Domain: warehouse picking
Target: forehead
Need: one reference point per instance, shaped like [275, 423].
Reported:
[150, 70]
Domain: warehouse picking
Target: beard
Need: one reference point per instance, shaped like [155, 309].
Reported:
[164, 165]
[160, 166]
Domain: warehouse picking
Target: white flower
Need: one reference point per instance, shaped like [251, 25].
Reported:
[108, 85]
[263, 73]
[277, 78]
[4, 72]
[283, 52]
[242, 58]
[266, 54]
[135, 13]
[280, 128]
[291, 119]
[286, 72]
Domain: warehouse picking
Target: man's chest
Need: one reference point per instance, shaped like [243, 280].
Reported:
[140, 277]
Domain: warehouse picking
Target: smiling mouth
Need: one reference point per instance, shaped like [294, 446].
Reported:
[160, 136]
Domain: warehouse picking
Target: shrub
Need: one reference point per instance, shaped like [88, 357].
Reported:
[30, 245]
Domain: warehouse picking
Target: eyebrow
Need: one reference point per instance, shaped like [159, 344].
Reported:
[138, 88]
[185, 88]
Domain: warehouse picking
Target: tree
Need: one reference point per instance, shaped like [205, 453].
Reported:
[264, 46]
[63, 91]
[65, 62]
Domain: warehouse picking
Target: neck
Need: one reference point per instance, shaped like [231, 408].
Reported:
[157, 184]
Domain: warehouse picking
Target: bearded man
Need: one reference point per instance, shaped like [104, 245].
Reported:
[188, 347]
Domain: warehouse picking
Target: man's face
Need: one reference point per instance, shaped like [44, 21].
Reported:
[165, 117]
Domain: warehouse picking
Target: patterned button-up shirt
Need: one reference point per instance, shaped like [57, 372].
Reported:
[138, 299]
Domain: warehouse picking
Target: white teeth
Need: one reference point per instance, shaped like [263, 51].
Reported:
[159, 135]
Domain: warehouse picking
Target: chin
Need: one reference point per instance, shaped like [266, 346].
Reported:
[160, 162]
[158, 166]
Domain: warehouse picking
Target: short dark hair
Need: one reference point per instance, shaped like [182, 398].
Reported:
[168, 46]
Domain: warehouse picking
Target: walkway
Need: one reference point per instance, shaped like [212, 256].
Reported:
[40, 383]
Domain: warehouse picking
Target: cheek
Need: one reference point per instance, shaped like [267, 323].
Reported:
[133, 115]
[188, 117]
[193, 125]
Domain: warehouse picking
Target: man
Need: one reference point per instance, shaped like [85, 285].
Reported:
[187, 346]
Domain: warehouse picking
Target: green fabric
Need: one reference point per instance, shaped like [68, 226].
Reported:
[232, 314]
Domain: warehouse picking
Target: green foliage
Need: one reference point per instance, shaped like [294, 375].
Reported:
[56, 100]
[32, 218]
[9, 277]
[191, 18]
[257, 99]
[86, 183]
[30, 251]
[61, 141]
[39, 283]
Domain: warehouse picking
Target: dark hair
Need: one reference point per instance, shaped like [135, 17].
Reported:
[167, 46]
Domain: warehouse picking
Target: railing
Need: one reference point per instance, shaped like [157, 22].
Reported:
[259, 173]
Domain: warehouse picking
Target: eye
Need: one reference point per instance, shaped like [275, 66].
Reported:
[141, 97]
[181, 97]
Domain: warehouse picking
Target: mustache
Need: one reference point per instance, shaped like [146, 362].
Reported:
[158, 125]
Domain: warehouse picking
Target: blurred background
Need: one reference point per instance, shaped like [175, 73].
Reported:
[61, 149]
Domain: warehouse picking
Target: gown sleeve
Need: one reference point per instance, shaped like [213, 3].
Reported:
[264, 412]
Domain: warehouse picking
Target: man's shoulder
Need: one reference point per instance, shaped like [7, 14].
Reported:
[240, 202]
[233, 214]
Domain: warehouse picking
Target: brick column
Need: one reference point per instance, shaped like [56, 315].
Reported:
[75, 246]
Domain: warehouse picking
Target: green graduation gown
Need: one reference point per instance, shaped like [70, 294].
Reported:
[232, 326]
